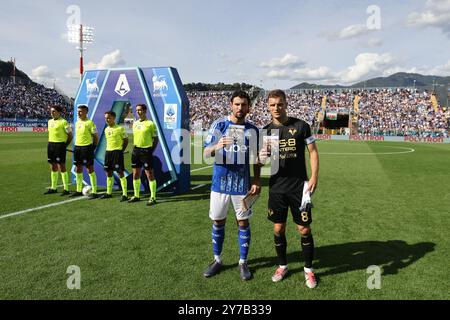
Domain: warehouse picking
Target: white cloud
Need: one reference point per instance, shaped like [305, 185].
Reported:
[111, 60]
[437, 15]
[352, 31]
[42, 72]
[396, 69]
[373, 42]
[439, 5]
[367, 64]
[303, 74]
[441, 70]
[278, 74]
[288, 61]
[73, 74]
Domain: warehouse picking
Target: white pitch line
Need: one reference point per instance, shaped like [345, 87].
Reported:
[199, 186]
[198, 169]
[39, 208]
[72, 200]
[410, 150]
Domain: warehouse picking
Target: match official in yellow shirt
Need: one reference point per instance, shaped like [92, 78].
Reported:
[86, 140]
[145, 139]
[59, 137]
[116, 143]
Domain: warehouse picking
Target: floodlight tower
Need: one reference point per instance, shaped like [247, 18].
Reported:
[81, 35]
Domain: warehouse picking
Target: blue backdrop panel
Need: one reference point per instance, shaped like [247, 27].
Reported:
[172, 109]
[168, 107]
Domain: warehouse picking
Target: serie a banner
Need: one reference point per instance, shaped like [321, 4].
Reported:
[120, 90]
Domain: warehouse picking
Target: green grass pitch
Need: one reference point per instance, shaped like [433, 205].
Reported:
[376, 204]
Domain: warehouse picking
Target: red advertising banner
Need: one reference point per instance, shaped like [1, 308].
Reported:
[9, 129]
[40, 129]
[366, 138]
[322, 136]
[428, 139]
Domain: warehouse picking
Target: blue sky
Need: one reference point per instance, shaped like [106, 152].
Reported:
[276, 44]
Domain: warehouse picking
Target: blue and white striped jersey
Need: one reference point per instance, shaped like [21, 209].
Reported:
[232, 163]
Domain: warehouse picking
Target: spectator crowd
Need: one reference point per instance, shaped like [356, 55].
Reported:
[401, 112]
[29, 101]
[397, 112]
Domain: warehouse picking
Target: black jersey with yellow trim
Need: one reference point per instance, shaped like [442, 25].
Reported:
[293, 135]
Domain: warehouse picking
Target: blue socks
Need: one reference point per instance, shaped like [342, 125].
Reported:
[218, 236]
[244, 242]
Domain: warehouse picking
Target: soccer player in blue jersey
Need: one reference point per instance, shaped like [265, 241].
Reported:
[232, 141]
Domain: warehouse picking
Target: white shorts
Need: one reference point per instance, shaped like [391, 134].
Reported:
[220, 202]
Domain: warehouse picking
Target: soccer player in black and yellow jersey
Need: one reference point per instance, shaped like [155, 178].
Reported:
[287, 186]
[86, 140]
[59, 137]
[116, 143]
[145, 138]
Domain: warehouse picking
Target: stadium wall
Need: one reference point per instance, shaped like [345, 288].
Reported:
[382, 138]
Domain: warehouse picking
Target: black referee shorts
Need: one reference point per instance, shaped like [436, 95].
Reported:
[56, 152]
[279, 203]
[114, 161]
[83, 155]
[142, 157]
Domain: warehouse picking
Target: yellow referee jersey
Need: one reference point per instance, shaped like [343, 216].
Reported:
[143, 133]
[58, 130]
[114, 137]
[84, 131]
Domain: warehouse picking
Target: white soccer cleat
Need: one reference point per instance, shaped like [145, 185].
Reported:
[279, 274]
[310, 280]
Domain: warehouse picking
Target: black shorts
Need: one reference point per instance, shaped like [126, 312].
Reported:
[56, 152]
[114, 161]
[83, 155]
[279, 203]
[142, 157]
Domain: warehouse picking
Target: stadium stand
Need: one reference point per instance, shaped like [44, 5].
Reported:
[400, 112]
[23, 102]
[376, 111]
[380, 111]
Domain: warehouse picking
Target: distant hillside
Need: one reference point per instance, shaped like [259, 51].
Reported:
[403, 79]
[400, 79]
[6, 70]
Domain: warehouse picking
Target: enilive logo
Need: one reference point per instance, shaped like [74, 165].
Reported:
[159, 83]
[122, 86]
[91, 85]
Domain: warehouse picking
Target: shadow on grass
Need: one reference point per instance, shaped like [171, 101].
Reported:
[391, 256]
[202, 192]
